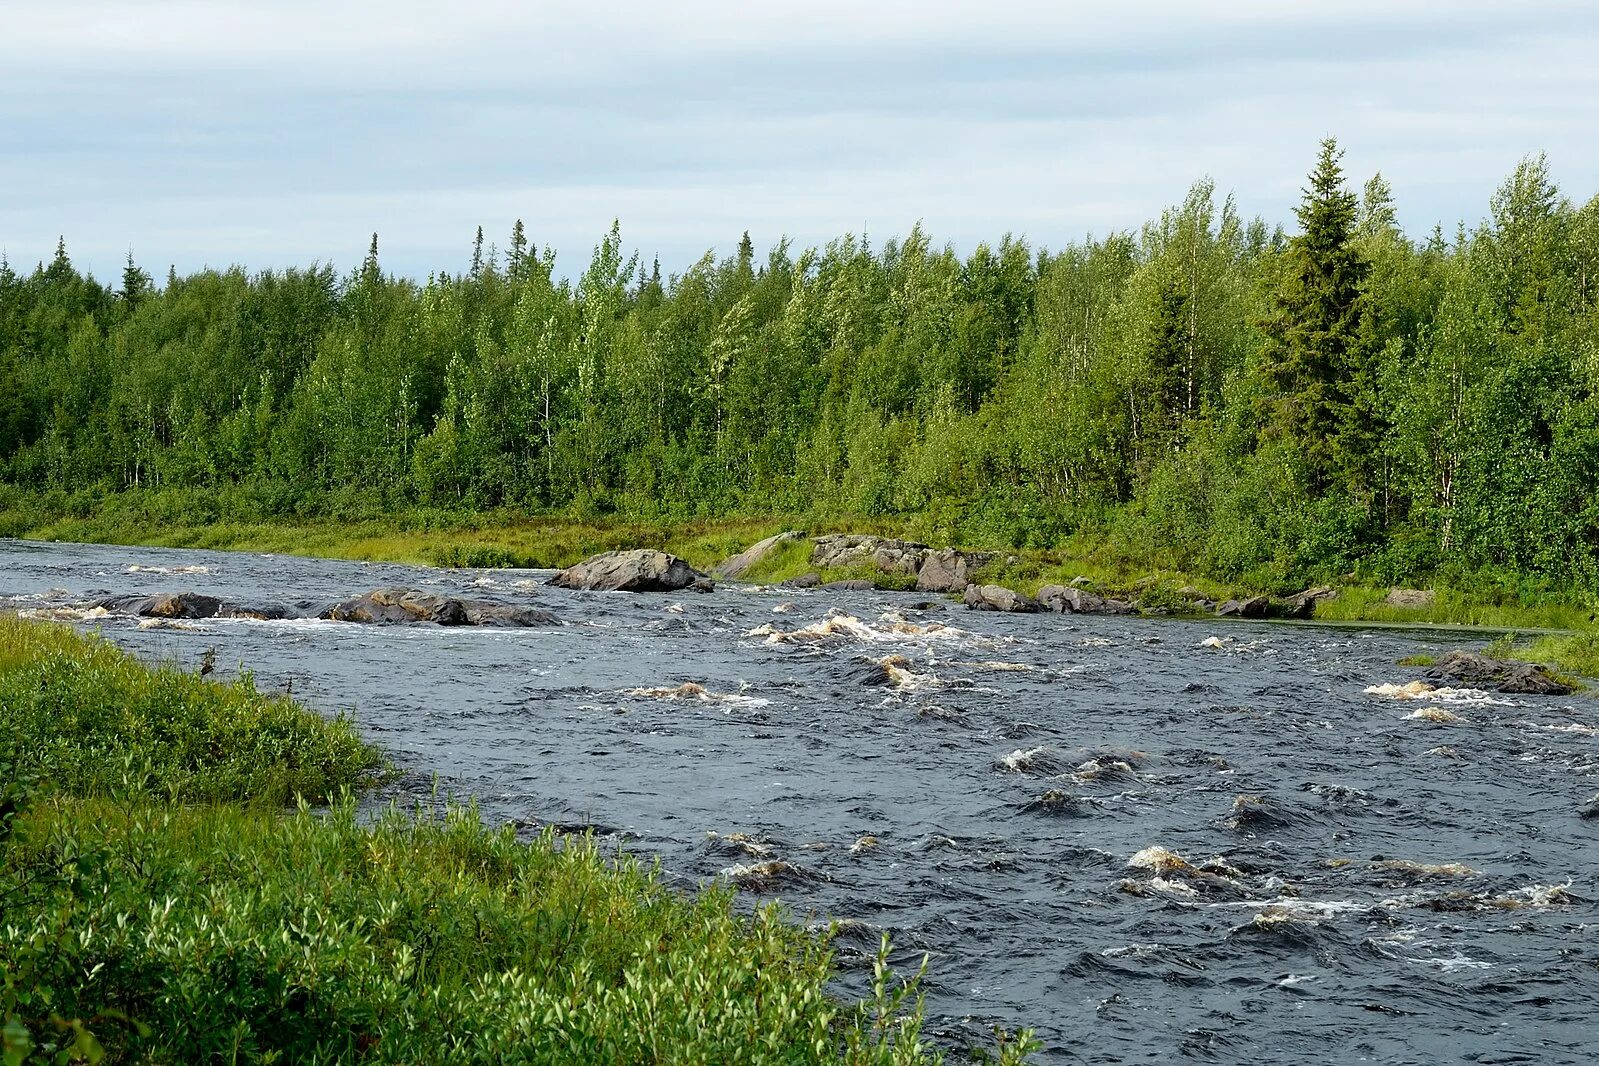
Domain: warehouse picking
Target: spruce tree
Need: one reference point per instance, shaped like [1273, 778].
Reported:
[1316, 361]
[135, 283]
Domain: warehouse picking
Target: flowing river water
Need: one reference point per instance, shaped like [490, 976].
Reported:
[1142, 842]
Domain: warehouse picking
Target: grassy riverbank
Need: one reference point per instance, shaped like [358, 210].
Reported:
[508, 538]
[163, 905]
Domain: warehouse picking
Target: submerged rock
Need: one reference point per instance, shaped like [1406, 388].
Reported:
[998, 598]
[410, 606]
[185, 605]
[1506, 675]
[851, 584]
[755, 553]
[640, 570]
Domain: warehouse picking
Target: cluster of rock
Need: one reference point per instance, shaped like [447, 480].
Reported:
[951, 570]
[378, 607]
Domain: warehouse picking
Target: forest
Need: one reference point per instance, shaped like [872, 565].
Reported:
[1209, 392]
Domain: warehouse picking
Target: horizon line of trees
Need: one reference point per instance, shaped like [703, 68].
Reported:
[1206, 390]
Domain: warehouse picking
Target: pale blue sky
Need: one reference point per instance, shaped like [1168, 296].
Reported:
[279, 133]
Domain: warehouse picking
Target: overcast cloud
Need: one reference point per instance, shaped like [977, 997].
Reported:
[272, 134]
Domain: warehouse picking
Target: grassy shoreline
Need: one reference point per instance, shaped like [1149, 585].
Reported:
[162, 904]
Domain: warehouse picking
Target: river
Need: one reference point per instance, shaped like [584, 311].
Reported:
[1142, 842]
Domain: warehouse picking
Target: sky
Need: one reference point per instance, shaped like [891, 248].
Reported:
[285, 133]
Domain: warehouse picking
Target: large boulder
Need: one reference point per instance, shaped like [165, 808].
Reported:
[949, 570]
[1506, 675]
[755, 553]
[1303, 604]
[1070, 599]
[998, 598]
[1253, 607]
[186, 605]
[641, 570]
[410, 606]
[1414, 599]
[899, 557]
[835, 551]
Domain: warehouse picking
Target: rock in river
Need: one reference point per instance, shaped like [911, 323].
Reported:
[409, 606]
[1506, 675]
[641, 570]
[1069, 599]
[998, 598]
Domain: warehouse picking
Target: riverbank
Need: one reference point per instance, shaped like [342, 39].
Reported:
[1561, 624]
[171, 908]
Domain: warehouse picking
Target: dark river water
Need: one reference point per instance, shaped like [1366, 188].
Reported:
[1142, 842]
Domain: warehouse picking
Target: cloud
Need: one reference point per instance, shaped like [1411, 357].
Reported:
[276, 134]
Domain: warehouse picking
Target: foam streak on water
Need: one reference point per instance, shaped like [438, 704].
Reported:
[1099, 827]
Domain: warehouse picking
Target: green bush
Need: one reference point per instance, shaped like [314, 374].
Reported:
[92, 721]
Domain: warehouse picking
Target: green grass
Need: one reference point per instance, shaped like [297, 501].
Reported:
[90, 720]
[157, 905]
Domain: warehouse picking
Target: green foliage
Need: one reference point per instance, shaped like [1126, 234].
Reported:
[1204, 390]
[87, 719]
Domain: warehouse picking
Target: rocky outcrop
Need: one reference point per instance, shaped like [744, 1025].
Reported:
[837, 550]
[640, 570]
[949, 569]
[410, 606]
[998, 598]
[737, 565]
[840, 550]
[1415, 599]
[1506, 675]
[1303, 604]
[1253, 607]
[1071, 599]
[899, 557]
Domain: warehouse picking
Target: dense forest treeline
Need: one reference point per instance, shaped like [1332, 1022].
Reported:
[1207, 392]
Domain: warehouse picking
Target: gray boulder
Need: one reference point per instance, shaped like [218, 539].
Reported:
[998, 598]
[1414, 599]
[186, 605]
[1071, 599]
[949, 570]
[640, 570]
[1303, 604]
[804, 581]
[1253, 607]
[899, 557]
[839, 550]
[411, 607]
[755, 553]
[1506, 675]
[853, 584]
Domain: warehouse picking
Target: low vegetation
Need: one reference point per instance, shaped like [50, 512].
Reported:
[159, 905]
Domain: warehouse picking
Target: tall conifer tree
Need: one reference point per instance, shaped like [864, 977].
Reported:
[1317, 360]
